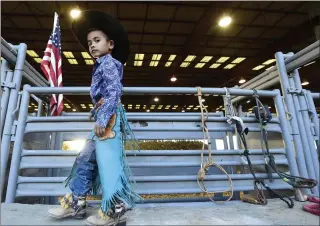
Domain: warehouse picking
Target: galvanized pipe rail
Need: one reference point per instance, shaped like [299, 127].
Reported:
[152, 131]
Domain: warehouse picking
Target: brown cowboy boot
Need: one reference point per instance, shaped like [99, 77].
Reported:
[69, 208]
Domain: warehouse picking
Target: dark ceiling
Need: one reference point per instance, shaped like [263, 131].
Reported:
[258, 30]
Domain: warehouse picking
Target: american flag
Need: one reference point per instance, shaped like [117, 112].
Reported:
[51, 66]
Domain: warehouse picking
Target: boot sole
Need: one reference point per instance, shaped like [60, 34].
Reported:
[79, 215]
[122, 222]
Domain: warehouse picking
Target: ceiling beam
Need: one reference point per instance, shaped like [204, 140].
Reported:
[148, 20]
[193, 41]
[68, 34]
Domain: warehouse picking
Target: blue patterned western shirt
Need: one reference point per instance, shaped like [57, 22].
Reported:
[106, 83]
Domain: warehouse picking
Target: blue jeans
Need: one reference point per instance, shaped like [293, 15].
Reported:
[86, 172]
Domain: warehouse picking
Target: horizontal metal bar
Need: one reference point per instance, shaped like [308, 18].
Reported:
[173, 135]
[315, 45]
[141, 118]
[143, 114]
[60, 190]
[153, 152]
[150, 90]
[156, 127]
[304, 59]
[265, 85]
[315, 95]
[139, 179]
[145, 164]
[8, 52]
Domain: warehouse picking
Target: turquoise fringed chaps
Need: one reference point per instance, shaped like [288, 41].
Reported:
[114, 177]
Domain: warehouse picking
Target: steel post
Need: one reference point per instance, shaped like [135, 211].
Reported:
[296, 83]
[17, 148]
[6, 137]
[5, 99]
[301, 145]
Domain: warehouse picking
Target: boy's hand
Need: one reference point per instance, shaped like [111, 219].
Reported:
[99, 131]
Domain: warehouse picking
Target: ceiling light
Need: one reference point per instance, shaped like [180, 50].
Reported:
[184, 64]
[190, 58]
[229, 66]
[225, 21]
[156, 99]
[137, 63]
[156, 56]
[258, 67]
[168, 64]
[248, 101]
[85, 55]
[153, 63]
[238, 60]
[173, 79]
[199, 65]
[222, 59]
[148, 110]
[269, 68]
[68, 54]
[172, 57]
[215, 65]
[305, 83]
[75, 13]
[206, 59]
[269, 61]
[74, 110]
[89, 62]
[242, 81]
[38, 60]
[139, 56]
[32, 53]
[183, 110]
[73, 61]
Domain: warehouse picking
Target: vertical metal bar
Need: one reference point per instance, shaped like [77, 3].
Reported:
[4, 68]
[17, 148]
[295, 81]
[39, 112]
[5, 99]
[230, 134]
[303, 156]
[6, 137]
[288, 145]
[315, 118]
[302, 125]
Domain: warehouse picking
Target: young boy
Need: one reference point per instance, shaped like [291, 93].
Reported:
[102, 163]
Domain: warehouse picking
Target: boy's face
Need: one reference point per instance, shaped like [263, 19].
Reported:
[99, 44]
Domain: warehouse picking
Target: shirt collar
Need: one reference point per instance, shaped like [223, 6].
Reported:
[101, 59]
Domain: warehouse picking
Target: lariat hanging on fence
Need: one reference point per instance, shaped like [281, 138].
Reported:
[205, 166]
[264, 116]
[241, 131]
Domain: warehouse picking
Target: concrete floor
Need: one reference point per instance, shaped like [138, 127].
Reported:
[232, 213]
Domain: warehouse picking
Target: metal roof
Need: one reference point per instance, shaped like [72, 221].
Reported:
[258, 30]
